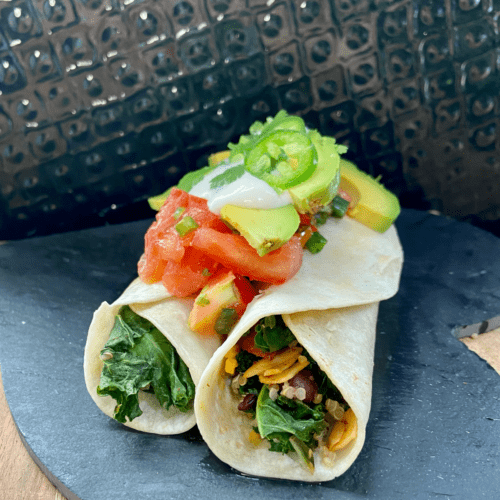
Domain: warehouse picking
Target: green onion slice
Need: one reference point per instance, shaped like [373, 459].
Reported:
[339, 206]
[178, 212]
[186, 225]
[316, 242]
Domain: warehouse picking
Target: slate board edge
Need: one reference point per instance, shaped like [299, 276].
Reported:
[54, 480]
[61, 487]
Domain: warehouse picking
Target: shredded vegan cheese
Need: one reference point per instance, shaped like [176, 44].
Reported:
[281, 361]
[287, 374]
[343, 431]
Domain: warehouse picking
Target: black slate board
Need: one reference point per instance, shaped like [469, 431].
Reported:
[434, 430]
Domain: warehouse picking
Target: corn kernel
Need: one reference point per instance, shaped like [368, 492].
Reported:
[230, 365]
[254, 438]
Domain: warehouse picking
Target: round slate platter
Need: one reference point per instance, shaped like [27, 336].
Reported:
[434, 430]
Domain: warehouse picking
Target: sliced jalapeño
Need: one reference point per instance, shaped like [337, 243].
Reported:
[283, 159]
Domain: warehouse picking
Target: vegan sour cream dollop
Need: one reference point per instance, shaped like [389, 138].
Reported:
[247, 191]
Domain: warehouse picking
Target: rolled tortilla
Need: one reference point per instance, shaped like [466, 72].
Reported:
[169, 315]
[342, 342]
[356, 266]
[331, 306]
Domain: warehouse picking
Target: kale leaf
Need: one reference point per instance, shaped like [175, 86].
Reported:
[245, 360]
[142, 357]
[279, 420]
[272, 334]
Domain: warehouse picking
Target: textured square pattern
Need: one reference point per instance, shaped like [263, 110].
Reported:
[106, 102]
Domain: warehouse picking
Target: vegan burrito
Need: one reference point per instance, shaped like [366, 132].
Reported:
[334, 278]
[288, 394]
[243, 233]
[142, 362]
[298, 412]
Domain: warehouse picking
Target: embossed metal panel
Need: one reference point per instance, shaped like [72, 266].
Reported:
[106, 102]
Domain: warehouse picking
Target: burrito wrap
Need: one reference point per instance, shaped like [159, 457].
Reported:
[169, 315]
[346, 332]
[331, 307]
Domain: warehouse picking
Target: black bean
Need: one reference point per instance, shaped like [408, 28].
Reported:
[305, 380]
[249, 401]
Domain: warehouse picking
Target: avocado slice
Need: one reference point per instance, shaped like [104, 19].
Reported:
[215, 158]
[317, 191]
[219, 295]
[373, 205]
[265, 229]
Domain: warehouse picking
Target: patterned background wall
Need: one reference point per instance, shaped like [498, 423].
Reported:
[106, 102]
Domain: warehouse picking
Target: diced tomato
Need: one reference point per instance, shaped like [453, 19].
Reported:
[234, 253]
[165, 246]
[178, 205]
[184, 263]
[220, 226]
[181, 281]
[305, 233]
[190, 274]
[246, 290]
[305, 219]
[165, 216]
[169, 246]
[150, 269]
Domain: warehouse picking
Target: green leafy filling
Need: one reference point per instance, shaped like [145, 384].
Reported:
[142, 358]
[289, 425]
[272, 334]
[245, 360]
[283, 418]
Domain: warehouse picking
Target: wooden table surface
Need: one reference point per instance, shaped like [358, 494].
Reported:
[20, 477]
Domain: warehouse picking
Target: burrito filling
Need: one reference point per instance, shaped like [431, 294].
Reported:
[294, 405]
[138, 357]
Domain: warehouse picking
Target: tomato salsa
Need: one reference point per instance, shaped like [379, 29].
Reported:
[275, 188]
[184, 261]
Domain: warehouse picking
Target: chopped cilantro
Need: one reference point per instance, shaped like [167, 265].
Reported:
[227, 177]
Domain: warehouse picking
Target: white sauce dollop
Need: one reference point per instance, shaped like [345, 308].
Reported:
[248, 191]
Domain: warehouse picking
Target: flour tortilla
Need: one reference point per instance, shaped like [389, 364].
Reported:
[356, 266]
[170, 316]
[342, 342]
[331, 306]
